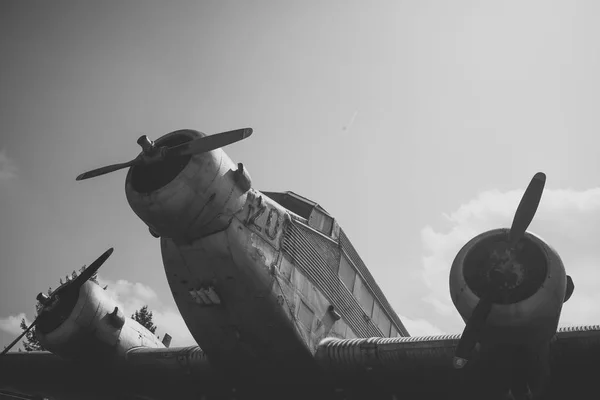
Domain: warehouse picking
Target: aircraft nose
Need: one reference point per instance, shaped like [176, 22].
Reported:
[188, 196]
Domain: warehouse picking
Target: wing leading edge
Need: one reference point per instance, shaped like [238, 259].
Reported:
[401, 365]
[144, 373]
[423, 365]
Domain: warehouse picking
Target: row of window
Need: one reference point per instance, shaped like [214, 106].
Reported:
[371, 307]
[324, 224]
[304, 313]
[356, 286]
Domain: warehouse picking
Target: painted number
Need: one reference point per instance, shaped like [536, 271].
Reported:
[272, 224]
[254, 212]
[273, 215]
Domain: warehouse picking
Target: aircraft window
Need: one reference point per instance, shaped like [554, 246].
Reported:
[320, 221]
[286, 268]
[346, 272]
[305, 315]
[381, 319]
[293, 202]
[364, 297]
[394, 332]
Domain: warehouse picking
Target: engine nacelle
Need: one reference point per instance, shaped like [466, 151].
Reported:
[527, 287]
[187, 197]
[89, 325]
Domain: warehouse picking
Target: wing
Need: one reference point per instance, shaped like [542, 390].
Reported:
[33, 374]
[423, 365]
[144, 373]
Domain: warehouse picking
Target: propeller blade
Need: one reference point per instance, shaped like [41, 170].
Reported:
[10, 346]
[208, 143]
[527, 207]
[471, 333]
[75, 284]
[105, 170]
[91, 270]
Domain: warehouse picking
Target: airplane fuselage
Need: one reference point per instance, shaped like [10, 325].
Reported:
[227, 288]
[254, 281]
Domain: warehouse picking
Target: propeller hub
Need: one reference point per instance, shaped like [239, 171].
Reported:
[504, 274]
[148, 177]
[156, 153]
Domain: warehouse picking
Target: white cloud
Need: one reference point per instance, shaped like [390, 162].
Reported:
[8, 168]
[130, 297]
[12, 324]
[133, 296]
[420, 327]
[568, 220]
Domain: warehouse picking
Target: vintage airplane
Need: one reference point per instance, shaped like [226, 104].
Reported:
[281, 304]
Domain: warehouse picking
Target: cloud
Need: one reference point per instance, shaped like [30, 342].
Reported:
[568, 220]
[8, 168]
[12, 324]
[133, 296]
[130, 296]
[420, 327]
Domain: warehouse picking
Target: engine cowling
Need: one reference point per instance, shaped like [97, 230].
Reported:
[527, 287]
[187, 197]
[88, 324]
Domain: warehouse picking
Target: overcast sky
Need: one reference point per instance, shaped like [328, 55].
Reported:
[416, 124]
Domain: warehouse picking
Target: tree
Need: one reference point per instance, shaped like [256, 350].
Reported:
[94, 277]
[30, 342]
[144, 317]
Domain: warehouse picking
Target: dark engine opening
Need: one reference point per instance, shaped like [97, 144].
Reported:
[506, 276]
[148, 178]
[54, 314]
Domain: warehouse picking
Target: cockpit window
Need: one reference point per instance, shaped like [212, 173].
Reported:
[315, 215]
[320, 221]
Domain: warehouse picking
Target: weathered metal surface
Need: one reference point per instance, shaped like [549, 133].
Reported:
[249, 325]
[264, 217]
[308, 307]
[368, 277]
[422, 366]
[200, 199]
[181, 360]
[96, 328]
[413, 353]
[299, 243]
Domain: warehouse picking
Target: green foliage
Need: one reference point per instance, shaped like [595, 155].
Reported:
[30, 342]
[144, 317]
[94, 277]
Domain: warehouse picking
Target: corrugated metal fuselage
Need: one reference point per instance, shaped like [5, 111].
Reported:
[227, 287]
[261, 291]
[255, 284]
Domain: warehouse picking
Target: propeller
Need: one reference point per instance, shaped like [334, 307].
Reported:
[527, 208]
[152, 154]
[71, 287]
[523, 217]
